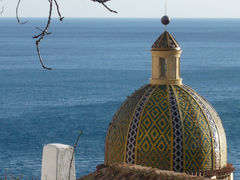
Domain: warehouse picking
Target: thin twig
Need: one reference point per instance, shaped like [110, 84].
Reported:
[17, 16]
[103, 3]
[38, 28]
[108, 8]
[74, 149]
[42, 35]
[40, 57]
[59, 13]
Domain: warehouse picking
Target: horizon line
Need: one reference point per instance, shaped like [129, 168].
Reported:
[124, 17]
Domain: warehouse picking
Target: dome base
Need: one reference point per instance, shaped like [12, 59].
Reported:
[166, 81]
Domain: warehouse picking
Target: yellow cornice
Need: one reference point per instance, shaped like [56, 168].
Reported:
[166, 49]
[166, 52]
[166, 81]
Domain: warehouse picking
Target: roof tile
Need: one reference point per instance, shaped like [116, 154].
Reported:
[166, 41]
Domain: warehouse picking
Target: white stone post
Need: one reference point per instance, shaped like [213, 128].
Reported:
[56, 162]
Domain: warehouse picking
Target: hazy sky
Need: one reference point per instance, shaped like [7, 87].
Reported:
[128, 8]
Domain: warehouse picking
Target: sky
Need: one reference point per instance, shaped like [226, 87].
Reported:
[128, 8]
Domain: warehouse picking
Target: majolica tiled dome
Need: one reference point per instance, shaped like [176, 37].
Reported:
[169, 127]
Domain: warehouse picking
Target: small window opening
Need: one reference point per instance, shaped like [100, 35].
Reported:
[163, 67]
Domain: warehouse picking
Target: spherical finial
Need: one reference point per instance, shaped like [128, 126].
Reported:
[165, 20]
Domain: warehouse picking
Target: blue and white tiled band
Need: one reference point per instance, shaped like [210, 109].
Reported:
[213, 127]
[177, 133]
[132, 135]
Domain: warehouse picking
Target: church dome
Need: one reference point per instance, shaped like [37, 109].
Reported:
[169, 127]
[165, 124]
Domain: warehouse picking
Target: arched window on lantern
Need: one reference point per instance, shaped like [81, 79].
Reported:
[163, 67]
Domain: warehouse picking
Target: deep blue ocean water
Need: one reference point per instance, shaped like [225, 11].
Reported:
[96, 64]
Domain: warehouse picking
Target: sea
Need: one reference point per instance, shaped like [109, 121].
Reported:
[96, 64]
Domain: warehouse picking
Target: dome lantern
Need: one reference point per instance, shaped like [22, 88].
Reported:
[166, 58]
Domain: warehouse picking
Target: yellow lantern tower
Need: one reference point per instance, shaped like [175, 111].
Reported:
[166, 59]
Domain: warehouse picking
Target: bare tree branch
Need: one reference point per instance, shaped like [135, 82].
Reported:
[103, 3]
[17, 16]
[45, 32]
[42, 35]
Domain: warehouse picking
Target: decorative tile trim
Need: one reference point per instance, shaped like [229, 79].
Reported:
[213, 127]
[197, 135]
[177, 133]
[131, 141]
[221, 132]
[115, 143]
